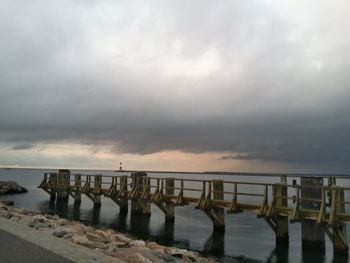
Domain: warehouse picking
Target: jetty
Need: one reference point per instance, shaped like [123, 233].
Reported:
[317, 203]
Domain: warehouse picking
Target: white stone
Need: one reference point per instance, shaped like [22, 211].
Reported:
[138, 243]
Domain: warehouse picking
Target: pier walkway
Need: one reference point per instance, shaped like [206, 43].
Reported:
[321, 209]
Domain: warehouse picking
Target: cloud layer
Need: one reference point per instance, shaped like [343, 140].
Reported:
[265, 79]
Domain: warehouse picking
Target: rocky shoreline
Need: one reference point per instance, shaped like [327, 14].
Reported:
[10, 187]
[109, 242]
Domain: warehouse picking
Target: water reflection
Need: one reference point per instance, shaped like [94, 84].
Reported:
[279, 254]
[95, 214]
[121, 222]
[340, 258]
[62, 208]
[311, 255]
[139, 224]
[51, 207]
[215, 244]
[76, 211]
[168, 233]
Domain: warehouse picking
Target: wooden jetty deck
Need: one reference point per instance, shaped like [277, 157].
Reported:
[320, 209]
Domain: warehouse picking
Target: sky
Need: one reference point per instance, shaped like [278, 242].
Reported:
[255, 86]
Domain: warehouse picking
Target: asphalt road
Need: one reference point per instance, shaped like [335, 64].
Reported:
[16, 250]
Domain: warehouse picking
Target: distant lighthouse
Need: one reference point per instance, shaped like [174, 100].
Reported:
[120, 166]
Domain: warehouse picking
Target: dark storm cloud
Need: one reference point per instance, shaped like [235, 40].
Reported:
[233, 76]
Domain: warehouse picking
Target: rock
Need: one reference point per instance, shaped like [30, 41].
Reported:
[118, 244]
[63, 222]
[137, 258]
[184, 257]
[8, 202]
[137, 243]
[188, 259]
[122, 238]
[99, 245]
[38, 225]
[82, 240]
[26, 220]
[40, 218]
[155, 246]
[112, 249]
[102, 240]
[56, 217]
[15, 218]
[68, 237]
[5, 214]
[61, 232]
[91, 236]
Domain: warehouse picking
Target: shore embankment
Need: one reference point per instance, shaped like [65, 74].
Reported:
[108, 242]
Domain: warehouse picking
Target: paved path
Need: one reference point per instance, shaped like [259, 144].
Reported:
[16, 250]
[22, 244]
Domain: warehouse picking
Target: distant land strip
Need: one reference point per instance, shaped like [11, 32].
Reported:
[240, 173]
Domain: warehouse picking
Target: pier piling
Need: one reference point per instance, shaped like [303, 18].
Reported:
[63, 182]
[313, 234]
[140, 187]
[215, 212]
[281, 221]
[76, 193]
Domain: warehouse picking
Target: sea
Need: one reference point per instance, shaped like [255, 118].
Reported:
[246, 238]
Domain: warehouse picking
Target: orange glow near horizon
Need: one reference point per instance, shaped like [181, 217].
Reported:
[79, 156]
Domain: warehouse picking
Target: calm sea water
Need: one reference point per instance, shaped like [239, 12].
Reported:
[246, 239]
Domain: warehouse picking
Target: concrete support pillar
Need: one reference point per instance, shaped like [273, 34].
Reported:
[139, 183]
[217, 215]
[169, 205]
[281, 222]
[123, 201]
[77, 188]
[97, 190]
[340, 241]
[313, 234]
[144, 203]
[52, 186]
[63, 185]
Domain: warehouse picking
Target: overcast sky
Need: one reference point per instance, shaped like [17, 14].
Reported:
[178, 85]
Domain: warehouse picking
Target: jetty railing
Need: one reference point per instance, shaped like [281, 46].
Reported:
[320, 209]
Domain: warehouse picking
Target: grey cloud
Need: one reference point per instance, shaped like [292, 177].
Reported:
[267, 101]
[23, 146]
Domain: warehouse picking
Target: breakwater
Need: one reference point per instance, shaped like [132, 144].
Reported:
[109, 242]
